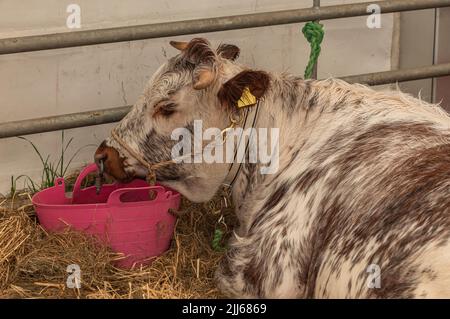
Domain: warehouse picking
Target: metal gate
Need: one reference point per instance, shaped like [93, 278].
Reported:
[149, 31]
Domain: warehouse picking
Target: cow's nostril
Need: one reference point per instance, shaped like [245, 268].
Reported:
[100, 157]
[101, 154]
[108, 160]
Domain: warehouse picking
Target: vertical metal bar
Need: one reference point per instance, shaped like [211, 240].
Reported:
[442, 55]
[316, 5]
[435, 35]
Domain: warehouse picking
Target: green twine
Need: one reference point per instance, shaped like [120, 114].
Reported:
[217, 239]
[313, 32]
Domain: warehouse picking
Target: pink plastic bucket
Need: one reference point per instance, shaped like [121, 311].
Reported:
[121, 216]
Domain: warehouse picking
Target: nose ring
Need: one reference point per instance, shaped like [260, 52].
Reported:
[99, 177]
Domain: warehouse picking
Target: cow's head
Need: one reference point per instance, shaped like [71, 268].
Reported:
[200, 83]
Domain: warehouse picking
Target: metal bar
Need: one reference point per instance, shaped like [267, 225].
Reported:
[166, 29]
[68, 121]
[316, 5]
[61, 122]
[386, 77]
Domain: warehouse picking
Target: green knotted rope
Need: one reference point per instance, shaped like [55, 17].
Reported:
[313, 32]
[217, 240]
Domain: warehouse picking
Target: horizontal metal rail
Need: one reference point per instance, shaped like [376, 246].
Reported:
[387, 77]
[166, 29]
[61, 122]
[74, 120]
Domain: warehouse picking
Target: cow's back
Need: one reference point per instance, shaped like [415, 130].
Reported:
[383, 170]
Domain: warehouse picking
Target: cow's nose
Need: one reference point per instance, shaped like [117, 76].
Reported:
[101, 154]
[112, 162]
[100, 157]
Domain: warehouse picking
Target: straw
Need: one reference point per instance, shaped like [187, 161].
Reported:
[33, 262]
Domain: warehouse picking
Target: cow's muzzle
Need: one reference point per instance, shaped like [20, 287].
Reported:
[113, 163]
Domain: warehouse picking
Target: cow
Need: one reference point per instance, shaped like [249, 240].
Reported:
[359, 206]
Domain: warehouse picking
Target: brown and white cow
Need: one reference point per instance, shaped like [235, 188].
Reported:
[363, 180]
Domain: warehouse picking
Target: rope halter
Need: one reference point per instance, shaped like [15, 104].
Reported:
[249, 121]
[151, 176]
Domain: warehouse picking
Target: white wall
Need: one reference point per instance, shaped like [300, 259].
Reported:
[53, 82]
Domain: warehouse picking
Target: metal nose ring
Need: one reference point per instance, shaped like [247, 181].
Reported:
[99, 177]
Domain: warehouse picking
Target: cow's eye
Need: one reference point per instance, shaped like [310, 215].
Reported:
[168, 109]
[165, 108]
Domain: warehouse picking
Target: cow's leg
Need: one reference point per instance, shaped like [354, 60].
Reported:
[258, 267]
[230, 278]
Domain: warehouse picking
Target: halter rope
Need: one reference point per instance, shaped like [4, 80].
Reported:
[151, 176]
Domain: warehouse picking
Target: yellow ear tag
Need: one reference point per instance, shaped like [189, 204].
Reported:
[247, 99]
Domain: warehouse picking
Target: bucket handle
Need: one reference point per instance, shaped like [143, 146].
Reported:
[85, 172]
[160, 194]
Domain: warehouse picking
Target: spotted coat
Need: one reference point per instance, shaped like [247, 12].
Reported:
[363, 180]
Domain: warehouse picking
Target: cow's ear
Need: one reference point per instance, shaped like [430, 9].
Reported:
[235, 92]
[228, 51]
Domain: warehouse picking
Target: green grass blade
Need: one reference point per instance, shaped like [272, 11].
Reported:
[61, 158]
[35, 148]
[75, 154]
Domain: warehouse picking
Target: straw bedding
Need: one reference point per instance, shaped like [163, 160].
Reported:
[33, 262]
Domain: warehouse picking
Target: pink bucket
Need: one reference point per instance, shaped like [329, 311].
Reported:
[121, 216]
